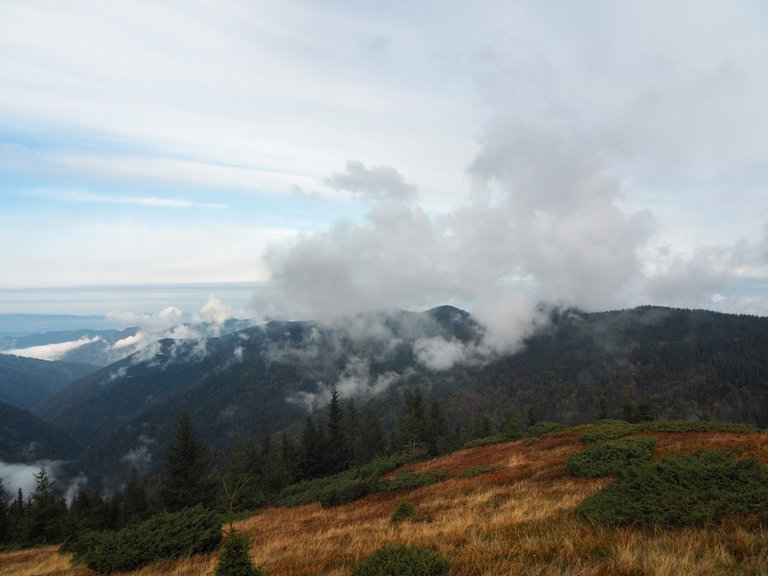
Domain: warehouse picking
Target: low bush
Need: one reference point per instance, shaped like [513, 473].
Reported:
[403, 561]
[408, 480]
[610, 457]
[164, 536]
[547, 429]
[612, 429]
[697, 488]
[337, 489]
[344, 490]
[608, 430]
[485, 441]
[477, 471]
[404, 511]
[234, 559]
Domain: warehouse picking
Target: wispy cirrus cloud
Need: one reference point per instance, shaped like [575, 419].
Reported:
[149, 201]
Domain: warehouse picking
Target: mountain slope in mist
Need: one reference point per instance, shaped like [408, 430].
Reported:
[573, 368]
[25, 382]
[26, 438]
[267, 376]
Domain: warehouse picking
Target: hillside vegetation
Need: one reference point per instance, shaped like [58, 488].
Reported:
[506, 508]
[637, 364]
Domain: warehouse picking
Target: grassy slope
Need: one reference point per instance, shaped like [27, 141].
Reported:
[516, 519]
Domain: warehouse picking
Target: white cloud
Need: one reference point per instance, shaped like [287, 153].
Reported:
[545, 223]
[215, 311]
[77, 196]
[52, 351]
[439, 354]
[22, 476]
[129, 341]
[374, 183]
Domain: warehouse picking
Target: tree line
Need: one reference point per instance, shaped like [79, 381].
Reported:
[255, 472]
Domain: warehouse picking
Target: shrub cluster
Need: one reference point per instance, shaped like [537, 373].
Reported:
[346, 489]
[477, 471]
[610, 457]
[402, 561]
[612, 429]
[697, 488]
[547, 429]
[333, 487]
[404, 511]
[164, 536]
[485, 441]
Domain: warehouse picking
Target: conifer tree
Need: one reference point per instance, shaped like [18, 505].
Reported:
[234, 559]
[5, 531]
[46, 512]
[311, 450]
[186, 480]
[88, 512]
[274, 472]
[435, 430]
[134, 506]
[510, 426]
[339, 453]
[411, 435]
[16, 518]
[242, 480]
[371, 439]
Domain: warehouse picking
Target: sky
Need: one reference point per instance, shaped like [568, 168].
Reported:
[315, 159]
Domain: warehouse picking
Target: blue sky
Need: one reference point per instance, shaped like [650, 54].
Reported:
[342, 156]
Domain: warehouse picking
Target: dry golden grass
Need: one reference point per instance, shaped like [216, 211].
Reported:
[516, 519]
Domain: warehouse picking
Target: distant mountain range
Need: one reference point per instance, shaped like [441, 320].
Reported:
[575, 367]
[103, 347]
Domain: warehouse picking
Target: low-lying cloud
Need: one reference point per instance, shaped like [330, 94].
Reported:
[55, 351]
[18, 475]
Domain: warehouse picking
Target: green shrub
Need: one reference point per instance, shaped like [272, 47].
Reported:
[164, 536]
[408, 480]
[610, 457]
[477, 471]
[547, 429]
[485, 441]
[697, 488]
[234, 559]
[344, 490]
[695, 426]
[612, 429]
[404, 511]
[402, 561]
[608, 430]
[342, 487]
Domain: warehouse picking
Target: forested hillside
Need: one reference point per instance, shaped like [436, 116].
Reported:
[25, 382]
[26, 438]
[633, 364]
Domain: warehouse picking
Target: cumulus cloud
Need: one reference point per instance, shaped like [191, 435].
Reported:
[371, 183]
[169, 323]
[52, 351]
[544, 222]
[166, 319]
[215, 311]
